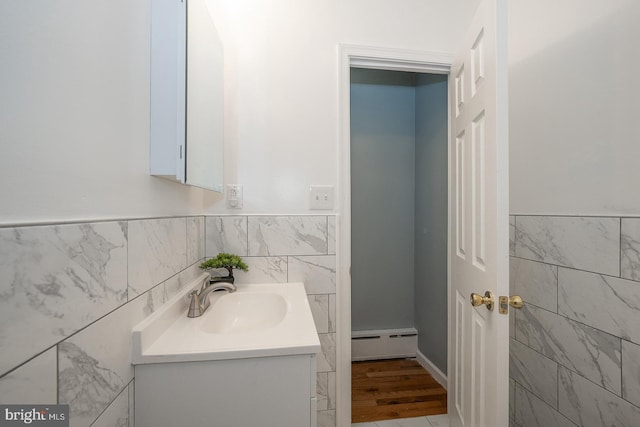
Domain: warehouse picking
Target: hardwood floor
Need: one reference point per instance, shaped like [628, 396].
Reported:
[389, 389]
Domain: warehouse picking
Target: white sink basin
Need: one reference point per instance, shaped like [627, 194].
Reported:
[258, 320]
[243, 312]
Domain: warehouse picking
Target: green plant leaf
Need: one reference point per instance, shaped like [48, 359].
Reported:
[225, 260]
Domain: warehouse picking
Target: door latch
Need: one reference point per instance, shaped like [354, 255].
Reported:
[504, 303]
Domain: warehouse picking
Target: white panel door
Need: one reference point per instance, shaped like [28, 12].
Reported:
[479, 227]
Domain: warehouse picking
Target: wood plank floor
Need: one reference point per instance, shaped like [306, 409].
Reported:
[397, 388]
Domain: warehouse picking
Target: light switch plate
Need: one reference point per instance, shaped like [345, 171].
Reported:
[321, 197]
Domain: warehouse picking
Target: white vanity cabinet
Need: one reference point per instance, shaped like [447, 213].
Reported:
[248, 361]
[277, 391]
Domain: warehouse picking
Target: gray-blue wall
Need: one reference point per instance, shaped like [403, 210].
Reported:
[399, 205]
[382, 199]
[431, 218]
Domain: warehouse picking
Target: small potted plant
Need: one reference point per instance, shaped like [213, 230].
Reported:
[225, 260]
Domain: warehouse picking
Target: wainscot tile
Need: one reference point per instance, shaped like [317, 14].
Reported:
[34, 382]
[317, 272]
[173, 285]
[535, 282]
[512, 235]
[322, 391]
[590, 352]
[263, 270]
[331, 234]
[195, 239]
[585, 243]
[54, 280]
[631, 372]
[535, 372]
[153, 299]
[326, 359]
[588, 405]
[530, 411]
[512, 322]
[226, 234]
[287, 235]
[93, 372]
[332, 389]
[319, 305]
[117, 413]
[332, 312]
[152, 260]
[607, 303]
[630, 248]
[512, 398]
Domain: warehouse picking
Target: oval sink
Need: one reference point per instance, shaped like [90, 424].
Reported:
[241, 312]
[258, 320]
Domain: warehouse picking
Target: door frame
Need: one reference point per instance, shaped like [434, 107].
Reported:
[379, 58]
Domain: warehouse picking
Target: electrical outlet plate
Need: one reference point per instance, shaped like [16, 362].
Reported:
[234, 196]
[321, 197]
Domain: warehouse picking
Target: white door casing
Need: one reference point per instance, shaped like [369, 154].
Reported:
[381, 58]
[478, 222]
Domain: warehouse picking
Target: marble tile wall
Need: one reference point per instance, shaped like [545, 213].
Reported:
[69, 296]
[575, 346]
[290, 249]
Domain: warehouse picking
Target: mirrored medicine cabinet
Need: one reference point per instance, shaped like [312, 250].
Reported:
[187, 98]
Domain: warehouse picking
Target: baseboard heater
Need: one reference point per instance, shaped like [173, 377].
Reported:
[384, 344]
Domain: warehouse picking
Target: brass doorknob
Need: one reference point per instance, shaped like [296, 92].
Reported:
[516, 301]
[487, 300]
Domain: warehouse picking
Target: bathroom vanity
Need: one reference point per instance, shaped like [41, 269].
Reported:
[249, 360]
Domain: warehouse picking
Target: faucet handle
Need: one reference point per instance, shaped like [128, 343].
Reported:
[195, 310]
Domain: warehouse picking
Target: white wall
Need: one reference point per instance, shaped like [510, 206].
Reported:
[74, 85]
[281, 60]
[574, 88]
[74, 114]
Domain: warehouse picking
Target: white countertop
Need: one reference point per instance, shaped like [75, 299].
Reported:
[168, 335]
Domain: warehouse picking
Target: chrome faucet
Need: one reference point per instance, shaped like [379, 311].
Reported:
[200, 299]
